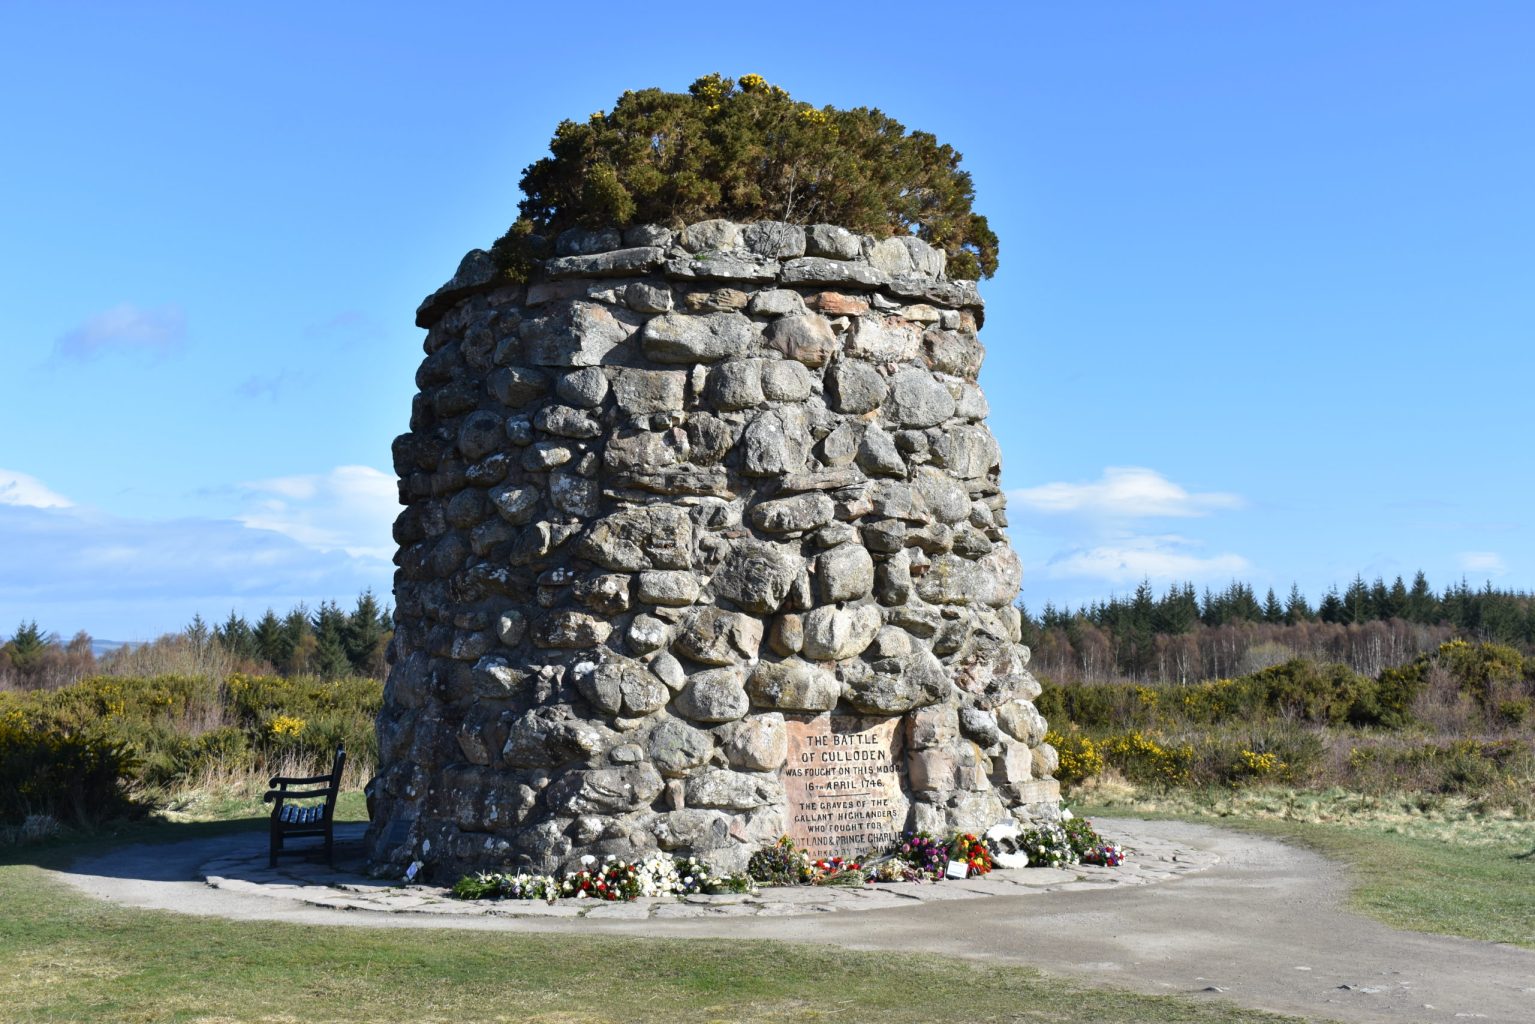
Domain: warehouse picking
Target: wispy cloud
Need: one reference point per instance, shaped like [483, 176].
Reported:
[1123, 492]
[349, 509]
[76, 567]
[127, 328]
[28, 491]
[1132, 559]
[1488, 563]
[1093, 535]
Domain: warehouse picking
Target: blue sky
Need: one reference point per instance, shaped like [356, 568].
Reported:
[1265, 307]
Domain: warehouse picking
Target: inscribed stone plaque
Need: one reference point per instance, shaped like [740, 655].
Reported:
[843, 783]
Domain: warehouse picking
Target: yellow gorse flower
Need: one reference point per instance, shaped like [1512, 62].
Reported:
[1261, 764]
[286, 726]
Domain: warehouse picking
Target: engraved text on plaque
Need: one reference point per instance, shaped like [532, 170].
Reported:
[843, 783]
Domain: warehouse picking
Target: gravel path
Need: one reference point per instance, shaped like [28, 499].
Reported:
[1204, 913]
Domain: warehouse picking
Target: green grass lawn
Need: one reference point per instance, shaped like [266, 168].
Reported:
[1430, 867]
[65, 957]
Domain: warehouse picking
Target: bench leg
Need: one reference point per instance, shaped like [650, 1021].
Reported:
[330, 858]
[276, 847]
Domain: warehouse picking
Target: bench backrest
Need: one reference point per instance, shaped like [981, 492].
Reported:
[309, 788]
[335, 781]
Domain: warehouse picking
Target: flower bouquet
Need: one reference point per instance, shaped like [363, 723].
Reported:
[971, 851]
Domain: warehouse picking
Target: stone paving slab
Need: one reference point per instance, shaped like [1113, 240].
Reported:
[345, 887]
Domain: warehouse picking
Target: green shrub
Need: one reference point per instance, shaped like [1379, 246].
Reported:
[1462, 767]
[1515, 711]
[72, 776]
[75, 753]
[1099, 705]
[1395, 691]
[1325, 694]
[1222, 700]
[746, 151]
[1149, 760]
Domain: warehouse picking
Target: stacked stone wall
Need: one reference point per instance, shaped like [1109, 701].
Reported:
[682, 498]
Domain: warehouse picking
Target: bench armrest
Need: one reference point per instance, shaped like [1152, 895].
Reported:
[294, 780]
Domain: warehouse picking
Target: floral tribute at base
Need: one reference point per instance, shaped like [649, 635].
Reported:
[914, 857]
[614, 880]
[1072, 841]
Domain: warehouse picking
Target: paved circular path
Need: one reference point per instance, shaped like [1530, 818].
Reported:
[245, 870]
[1235, 917]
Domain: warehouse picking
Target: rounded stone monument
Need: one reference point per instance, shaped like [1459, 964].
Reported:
[703, 545]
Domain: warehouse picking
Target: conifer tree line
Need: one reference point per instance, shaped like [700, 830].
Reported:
[328, 642]
[1188, 635]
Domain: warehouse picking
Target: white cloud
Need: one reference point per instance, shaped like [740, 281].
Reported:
[310, 538]
[1123, 492]
[1086, 532]
[349, 509]
[1129, 560]
[125, 328]
[1486, 562]
[28, 491]
[131, 579]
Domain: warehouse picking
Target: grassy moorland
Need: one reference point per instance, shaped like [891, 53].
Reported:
[1421, 779]
[1420, 864]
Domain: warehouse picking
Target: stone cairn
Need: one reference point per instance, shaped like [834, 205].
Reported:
[703, 544]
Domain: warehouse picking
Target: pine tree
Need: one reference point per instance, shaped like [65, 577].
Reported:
[1272, 612]
[1394, 604]
[235, 636]
[270, 639]
[1356, 603]
[298, 642]
[198, 634]
[1422, 605]
[1178, 611]
[27, 646]
[1209, 613]
[1331, 608]
[330, 658]
[1296, 608]
[1139, 631]
[1241, 603]
[365, 636]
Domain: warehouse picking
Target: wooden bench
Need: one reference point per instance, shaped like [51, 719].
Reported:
[291, 820]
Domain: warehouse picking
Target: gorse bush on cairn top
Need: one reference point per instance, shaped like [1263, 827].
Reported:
[744, 150]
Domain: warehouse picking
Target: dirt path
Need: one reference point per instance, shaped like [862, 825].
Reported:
[1265, 928]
